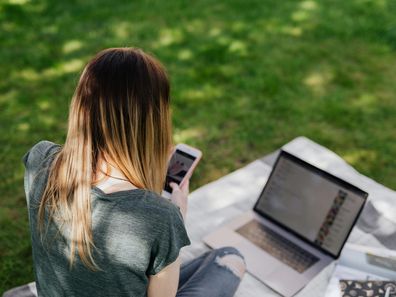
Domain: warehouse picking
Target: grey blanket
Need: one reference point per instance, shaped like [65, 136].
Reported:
[220, 201]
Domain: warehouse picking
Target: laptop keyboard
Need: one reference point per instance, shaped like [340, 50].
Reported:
[277, 246]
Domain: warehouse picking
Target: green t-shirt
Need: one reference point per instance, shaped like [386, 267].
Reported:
[136, 233]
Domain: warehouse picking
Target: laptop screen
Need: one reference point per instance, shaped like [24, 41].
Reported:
[310, 202]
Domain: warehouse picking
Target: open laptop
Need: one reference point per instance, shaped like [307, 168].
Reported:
[298, 225]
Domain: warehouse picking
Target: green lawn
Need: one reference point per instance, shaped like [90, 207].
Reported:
[247, 77]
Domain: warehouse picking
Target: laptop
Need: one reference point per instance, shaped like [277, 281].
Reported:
[298, 226]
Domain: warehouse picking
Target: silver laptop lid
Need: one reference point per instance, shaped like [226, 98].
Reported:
[311, 203]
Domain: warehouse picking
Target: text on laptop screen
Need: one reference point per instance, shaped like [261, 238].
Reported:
[314, 206]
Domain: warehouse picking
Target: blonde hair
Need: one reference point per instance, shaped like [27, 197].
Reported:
[120, 110]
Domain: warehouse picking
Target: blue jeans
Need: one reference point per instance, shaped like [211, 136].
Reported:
[205, 277]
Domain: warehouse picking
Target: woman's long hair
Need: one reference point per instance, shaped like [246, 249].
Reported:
[120, 111]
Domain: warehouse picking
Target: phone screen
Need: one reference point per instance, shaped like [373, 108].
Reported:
[178, 167]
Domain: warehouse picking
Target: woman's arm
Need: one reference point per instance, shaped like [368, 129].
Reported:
[165, 282]
[180, 196]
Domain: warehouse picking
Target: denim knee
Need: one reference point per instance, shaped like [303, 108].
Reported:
[228, 250]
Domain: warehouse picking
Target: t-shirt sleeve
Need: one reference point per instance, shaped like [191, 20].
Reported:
[171, 237]
[33, 160]
[35, 155]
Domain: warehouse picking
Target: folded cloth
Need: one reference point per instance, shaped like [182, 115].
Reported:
[367, 288]
[28, 290]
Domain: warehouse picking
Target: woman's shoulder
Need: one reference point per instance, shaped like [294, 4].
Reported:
[162, 203]
[39, 152]
[149, 204]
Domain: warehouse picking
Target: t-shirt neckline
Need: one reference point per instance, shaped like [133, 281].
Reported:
[116, 194]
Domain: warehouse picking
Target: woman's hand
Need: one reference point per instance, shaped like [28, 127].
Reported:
[179, 196]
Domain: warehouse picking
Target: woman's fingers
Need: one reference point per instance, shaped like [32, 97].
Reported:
[174, 186]
[179, 196]
[185, 188]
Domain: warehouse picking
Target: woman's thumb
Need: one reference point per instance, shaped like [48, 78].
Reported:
[174, 186]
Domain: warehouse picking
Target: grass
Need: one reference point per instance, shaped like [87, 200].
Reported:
[247, 77]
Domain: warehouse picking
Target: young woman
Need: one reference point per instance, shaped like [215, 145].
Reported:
[99, 226]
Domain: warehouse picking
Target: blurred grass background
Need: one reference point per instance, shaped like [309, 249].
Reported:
[247, 77]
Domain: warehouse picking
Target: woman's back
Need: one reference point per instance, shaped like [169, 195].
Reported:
[136, 234]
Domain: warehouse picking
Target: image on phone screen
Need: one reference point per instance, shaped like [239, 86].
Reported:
[178, 167]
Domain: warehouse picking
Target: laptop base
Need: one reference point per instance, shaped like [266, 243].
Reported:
[263, 266]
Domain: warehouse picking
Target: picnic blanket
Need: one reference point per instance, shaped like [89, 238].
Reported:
[220, 201]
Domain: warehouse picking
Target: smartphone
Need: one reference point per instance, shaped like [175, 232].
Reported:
[181, 166]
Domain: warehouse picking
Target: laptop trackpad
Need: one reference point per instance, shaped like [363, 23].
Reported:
[258, 262]
[286, 282]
